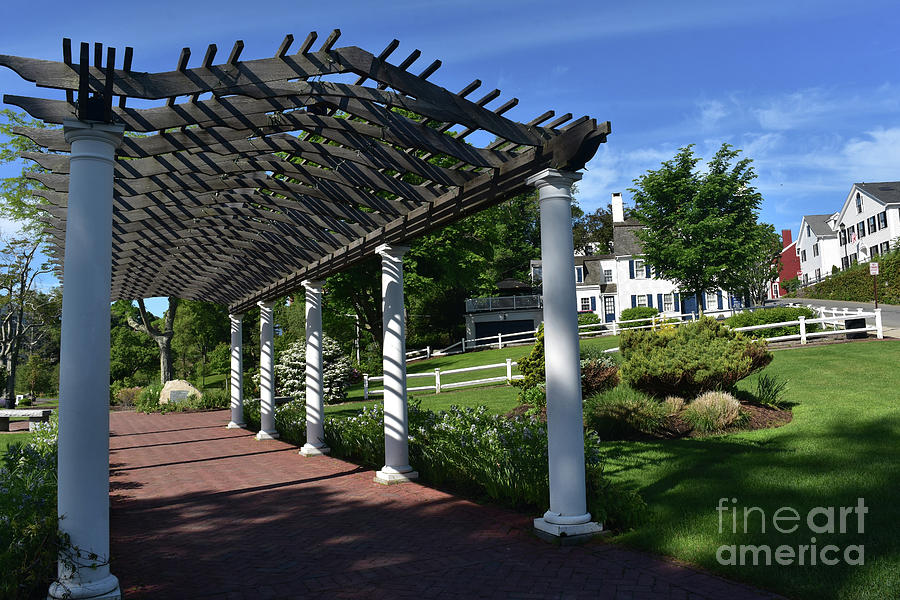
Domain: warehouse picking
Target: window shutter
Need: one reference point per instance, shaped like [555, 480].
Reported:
[633, 301]
[659, 302]
[646, 271]
[677, 303]
[631, 270]
[593, 303]
[650, 300]
[703, 300]
[719, 298]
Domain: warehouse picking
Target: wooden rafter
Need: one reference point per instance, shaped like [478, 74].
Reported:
[284, 170]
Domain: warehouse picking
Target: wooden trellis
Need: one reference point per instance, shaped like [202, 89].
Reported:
[252, 176]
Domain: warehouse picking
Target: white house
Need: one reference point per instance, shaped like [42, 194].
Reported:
[817, 246]
[868, 225]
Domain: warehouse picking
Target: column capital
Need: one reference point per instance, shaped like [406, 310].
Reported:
[391, 250]
[268, 304]
[553, 177]
[314, 285]
[236, 316]
[75, 130]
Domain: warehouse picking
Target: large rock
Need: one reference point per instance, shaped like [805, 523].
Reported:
[177, 390]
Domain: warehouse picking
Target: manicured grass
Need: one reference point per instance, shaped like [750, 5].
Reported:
[8, 439]
[841, 446]
[498, 399]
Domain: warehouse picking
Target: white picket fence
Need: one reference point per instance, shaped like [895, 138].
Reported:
[437, 387]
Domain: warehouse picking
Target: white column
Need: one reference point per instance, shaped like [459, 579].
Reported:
[83, 469]
[396, 467]
[237, 372]
[568, 514]
[315, 371]
[266, 373]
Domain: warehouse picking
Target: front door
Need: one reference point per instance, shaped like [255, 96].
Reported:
[609, 309]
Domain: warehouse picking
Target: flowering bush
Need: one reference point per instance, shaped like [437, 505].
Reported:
[290, 371]
[29, 539]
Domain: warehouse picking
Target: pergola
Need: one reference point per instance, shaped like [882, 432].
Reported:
[248, 179]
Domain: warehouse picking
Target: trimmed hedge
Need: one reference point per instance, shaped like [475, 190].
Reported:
[638, 312]
[856, 285]
[779, 314]
[690, 359]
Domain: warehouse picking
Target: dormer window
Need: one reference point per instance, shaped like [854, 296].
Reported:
[858, 203]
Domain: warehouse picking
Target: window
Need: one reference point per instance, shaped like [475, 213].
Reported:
[642, 299]
[585, 304]
[803, 255]
[885, 247]
[861, 229]
[858, 203]
[882, 219]
[640, 272]
[873, 251]
[853, 260]
[808, 231]
[872, 227]
[668, 302]
[712, 301]
[806, 278]
[607, 275]
[818, 274]
[816, 249]
[843, 237]
[775, 290]
[537, 273]
[579, 274]
[845, 262]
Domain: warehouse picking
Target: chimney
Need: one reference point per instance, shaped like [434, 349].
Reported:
[785, 238]
[618, 210]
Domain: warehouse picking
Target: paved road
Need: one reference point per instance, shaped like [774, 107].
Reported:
[890, 313]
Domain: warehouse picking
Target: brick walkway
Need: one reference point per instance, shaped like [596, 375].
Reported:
[199, 511]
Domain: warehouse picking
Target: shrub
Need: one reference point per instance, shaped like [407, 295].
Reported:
[623, 412]
[674, 405]
[290, 419]
[712, 412]
[637, 312]
[588, 318]
[769, 390]
[689, 359]
[773, 315]
[290, 371]
[127, 396]
[595, 353]
[598, 375]
[29, 536]
[148, 400]
[212, 399]
[535, 397]
[532, 364]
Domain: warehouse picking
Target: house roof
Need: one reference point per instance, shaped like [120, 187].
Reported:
[625, 241]
[887, 192]
[819, 225]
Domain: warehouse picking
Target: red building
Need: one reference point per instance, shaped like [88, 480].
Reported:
[790, 264]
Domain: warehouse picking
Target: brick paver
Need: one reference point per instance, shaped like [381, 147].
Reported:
[200, 511]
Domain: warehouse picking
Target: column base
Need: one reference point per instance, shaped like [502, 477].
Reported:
[310, 450]
[233, 425]
[391, 476]
[105, 589]
[575, 531]
[267, 435]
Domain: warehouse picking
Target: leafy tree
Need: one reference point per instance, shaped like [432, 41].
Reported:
[701, 228]
[752, 283]
[131, 352]
[38, 376]
[17, 274]
[197, 329]
[19, 202]
[161, 330]
[592, 228]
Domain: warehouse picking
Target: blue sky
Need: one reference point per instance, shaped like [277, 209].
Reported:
[809, 90]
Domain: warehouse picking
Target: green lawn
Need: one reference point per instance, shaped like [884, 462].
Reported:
[8, 439]
[841, 446]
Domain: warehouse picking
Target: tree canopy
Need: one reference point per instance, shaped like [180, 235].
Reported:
[701, 228]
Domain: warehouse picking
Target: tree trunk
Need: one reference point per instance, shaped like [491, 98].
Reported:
[14, 354]
[165, 357]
